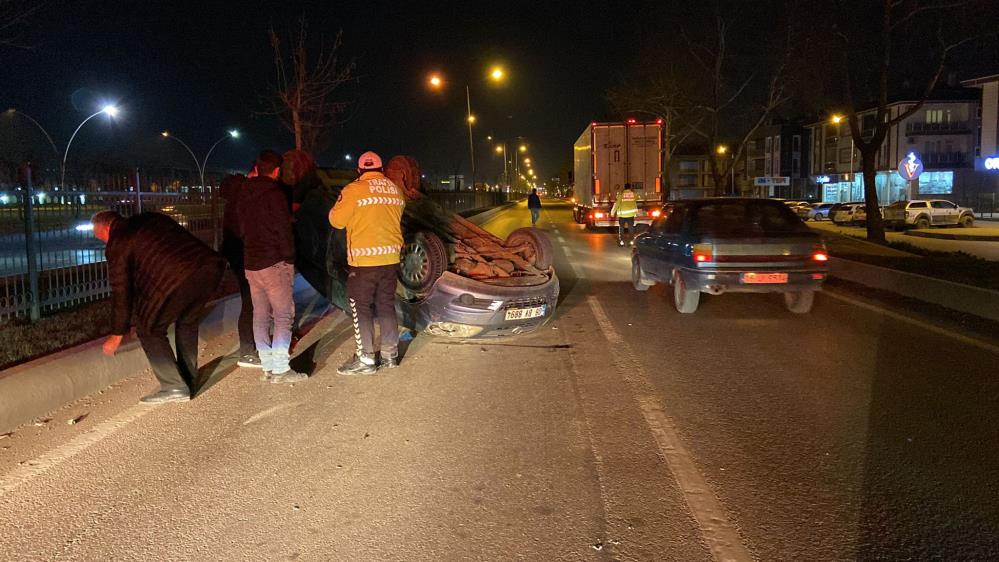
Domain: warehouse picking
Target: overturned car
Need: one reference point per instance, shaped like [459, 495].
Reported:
[455, 279]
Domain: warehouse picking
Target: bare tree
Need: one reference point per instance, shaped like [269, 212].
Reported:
[705, 91]
[866, 62]
[308, 94]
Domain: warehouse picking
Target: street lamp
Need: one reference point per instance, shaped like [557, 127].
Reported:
[110, 111]
[12, 111]
[722, 150]
[838, 120]
[497, 74]
[201, 167]
[501, 149]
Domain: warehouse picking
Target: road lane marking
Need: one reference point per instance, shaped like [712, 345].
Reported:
[40, 465]
[718, 532]
[924, 325]
[561, 240]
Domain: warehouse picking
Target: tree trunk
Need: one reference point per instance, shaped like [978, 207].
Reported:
[875, 225]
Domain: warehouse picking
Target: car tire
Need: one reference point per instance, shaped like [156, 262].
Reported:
[967, 221]
[922, 222]
[544, 255]
[799, 302]
[638, 279]
[424, 259]
[685, 300]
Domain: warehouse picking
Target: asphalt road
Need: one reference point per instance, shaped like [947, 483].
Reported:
[622, 431]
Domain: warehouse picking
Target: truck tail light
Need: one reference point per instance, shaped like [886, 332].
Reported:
[703, 253]
[598, 215]
[656, 213]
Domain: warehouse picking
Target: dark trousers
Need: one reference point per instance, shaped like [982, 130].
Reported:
[371, 294]
[244, 324]
[625, 224]
[184, 309]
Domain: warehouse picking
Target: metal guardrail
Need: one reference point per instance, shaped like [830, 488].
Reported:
[70, 262]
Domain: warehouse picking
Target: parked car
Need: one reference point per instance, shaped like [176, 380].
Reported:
[853, 214]
[924, 214]
[719, 245]
[432, 296]
[803, 210]
[820, 211]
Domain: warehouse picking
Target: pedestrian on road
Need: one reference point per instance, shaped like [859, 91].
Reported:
[232, 251]
[162, 275]
[534, 204]
[269, 259]
[370, 209]
[625, 209]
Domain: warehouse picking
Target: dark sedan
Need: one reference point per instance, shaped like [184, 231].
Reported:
[720, 245]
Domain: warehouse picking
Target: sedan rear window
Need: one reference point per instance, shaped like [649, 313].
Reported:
[745, 218]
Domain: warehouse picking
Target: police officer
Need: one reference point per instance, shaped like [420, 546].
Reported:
[370, 208]
[625, 209]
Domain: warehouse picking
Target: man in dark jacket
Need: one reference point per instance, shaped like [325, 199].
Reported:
[161, 275]
[534, 204]
[269, 259]
[232, 251]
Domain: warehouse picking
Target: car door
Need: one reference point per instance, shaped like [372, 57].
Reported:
[665, 243]
[940, 212]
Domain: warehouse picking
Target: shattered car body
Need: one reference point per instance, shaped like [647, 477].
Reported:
[456, 280]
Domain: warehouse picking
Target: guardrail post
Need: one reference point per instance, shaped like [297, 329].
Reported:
[31, 253]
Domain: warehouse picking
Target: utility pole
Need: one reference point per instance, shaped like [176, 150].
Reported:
[31, 253]
[471, 148]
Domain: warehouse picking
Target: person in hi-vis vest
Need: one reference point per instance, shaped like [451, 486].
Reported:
[625, 209]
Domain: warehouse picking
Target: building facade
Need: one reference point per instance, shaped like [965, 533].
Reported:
[776, 162]
[942, 134]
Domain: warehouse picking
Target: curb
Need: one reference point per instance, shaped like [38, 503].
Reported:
[942, 236]
[955, 296]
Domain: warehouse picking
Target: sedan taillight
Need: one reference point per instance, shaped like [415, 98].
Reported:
[703, 253]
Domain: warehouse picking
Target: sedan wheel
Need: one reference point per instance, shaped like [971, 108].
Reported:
[684, 300]
[799, 302]
[967, 221]
[638, 280]
[424, 260]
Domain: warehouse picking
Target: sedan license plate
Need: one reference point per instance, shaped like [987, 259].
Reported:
[525, 313]
[751, 278]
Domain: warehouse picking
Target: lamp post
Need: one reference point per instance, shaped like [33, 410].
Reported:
[838, 120]
[501, 149]
[12, 111]
[201, 168]
[436, 82]
[110, 110]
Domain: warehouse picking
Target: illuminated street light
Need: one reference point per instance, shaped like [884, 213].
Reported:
[110, 111]
[722, 149]
[499, 149]
[435, 81]
[527, 160]
[523, 148]
[497, 74]
[837, 119]
[471, 119]
[234, 134]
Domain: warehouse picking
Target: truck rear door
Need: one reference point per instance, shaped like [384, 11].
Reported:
[644, 161]
[610, 154]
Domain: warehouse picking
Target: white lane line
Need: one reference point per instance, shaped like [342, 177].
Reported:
[40, 465]
[561, 240]
[923, 325]
[717, 530]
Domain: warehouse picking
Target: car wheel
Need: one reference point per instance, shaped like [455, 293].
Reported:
[967, 221]
[799, 302]
[922, 222]
[424, 259]
[538, 241]
[684, 300]
[638, 279]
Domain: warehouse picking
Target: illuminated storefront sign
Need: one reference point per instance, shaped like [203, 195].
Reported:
[992, 163]
[822, 179]
[910, 167]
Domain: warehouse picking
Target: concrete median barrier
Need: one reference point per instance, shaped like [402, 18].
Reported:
[955, 296]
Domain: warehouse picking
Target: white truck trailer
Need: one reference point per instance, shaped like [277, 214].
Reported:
[606, 157]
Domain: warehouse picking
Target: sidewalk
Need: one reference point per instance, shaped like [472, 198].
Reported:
[976, 234]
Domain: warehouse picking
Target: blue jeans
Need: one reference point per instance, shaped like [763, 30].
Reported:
[535, 214]
[271, 293]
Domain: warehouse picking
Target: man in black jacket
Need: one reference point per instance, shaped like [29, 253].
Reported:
[232, 251]
[161, 275]
[269, 259]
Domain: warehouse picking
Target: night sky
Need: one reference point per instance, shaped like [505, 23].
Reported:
[199, 68]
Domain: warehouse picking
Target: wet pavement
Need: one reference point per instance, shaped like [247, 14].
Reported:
[621, 431]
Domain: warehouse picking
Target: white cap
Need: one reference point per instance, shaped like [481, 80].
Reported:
[369, 161]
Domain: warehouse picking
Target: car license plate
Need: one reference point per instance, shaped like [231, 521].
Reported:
[525, 313]
[764, 278]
